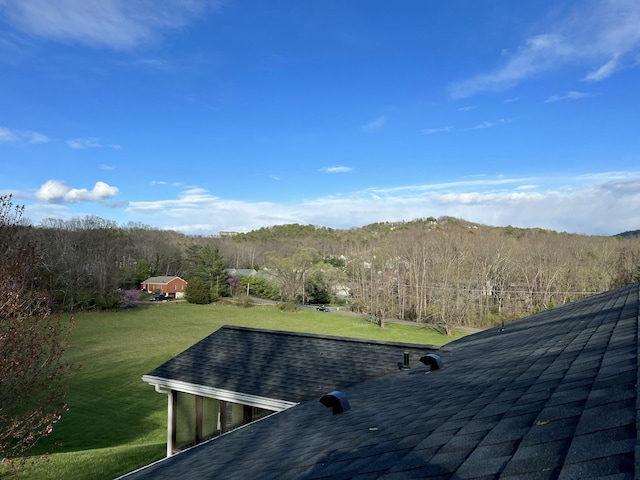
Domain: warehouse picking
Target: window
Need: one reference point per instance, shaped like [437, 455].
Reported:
[185, 420]
[199, 418]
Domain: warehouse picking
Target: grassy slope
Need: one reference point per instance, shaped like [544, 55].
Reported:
[116, 422]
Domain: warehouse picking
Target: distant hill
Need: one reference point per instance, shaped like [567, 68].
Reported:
[629, 234]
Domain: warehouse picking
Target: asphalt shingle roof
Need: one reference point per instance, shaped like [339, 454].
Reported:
[160, 280]
[284, 365]
[554, 396]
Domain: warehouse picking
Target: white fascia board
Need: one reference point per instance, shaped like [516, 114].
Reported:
[218, 393]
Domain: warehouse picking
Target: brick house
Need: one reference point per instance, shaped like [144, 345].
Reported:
[173, 287]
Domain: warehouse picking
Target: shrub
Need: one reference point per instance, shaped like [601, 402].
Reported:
[198, 292]
[245, 301]
[288, 306]
[129, 298]
[260, 287]
[214, 296]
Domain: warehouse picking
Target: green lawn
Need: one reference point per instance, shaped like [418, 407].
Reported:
[117, 423]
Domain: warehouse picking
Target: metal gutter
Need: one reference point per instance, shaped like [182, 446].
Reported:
[163, 384]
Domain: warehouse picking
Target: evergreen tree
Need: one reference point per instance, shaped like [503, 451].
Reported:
[198, 292]
[316, 289]
[208, 267]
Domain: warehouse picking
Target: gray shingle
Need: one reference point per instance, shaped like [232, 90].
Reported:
[283, 365]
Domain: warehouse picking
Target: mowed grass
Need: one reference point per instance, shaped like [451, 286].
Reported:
[117, 423]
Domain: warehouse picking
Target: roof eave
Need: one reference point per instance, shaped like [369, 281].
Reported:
[273, 404]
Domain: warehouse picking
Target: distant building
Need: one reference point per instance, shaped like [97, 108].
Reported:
[171, 286]
[249, 272]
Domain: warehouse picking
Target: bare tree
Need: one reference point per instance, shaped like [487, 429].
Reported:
[291, 270]
[32, 386]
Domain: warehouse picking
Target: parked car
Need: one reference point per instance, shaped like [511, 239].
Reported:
[161, 298]
[323, 309]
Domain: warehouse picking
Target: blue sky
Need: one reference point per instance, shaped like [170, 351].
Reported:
[201, 116]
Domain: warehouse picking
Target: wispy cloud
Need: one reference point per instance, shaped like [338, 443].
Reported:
[337, 169]
[59, 192]
[511, 100]
[602, 203]
[433, 131]
[467, 108]
[481, 182]
[484, 125]
[115, 24]
[35, 137]
[151, 62]
[567, 96]
[539, 53]
[605, 71]
[88, 142]
[82, 143]
[594, 204]
[374, 125]
[595, 30]
[7, 135]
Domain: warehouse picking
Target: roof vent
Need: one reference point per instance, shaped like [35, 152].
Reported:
[337, 401]
[404, 365]
[432, 360]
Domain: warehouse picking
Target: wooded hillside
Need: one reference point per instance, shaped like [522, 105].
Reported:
[446, 271]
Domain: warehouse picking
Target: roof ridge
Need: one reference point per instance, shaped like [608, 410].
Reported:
[334, 337]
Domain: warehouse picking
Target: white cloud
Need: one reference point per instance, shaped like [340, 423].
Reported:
[7, 135]
[605, 71]
[82, 143]
[481, 182]
[58, 191]
[152, 62]
[467, 108]
[374, 125]
[88, 142]
[337, 169]
[595, 30]
[484, 125]
[35, 137]
[568, 96]
[602, 203]
[538, 54]
[432, 131]
[115, 24]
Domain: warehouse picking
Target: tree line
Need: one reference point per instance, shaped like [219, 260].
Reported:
[445, 271]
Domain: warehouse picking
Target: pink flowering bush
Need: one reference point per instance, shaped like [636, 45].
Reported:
[129, 298]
